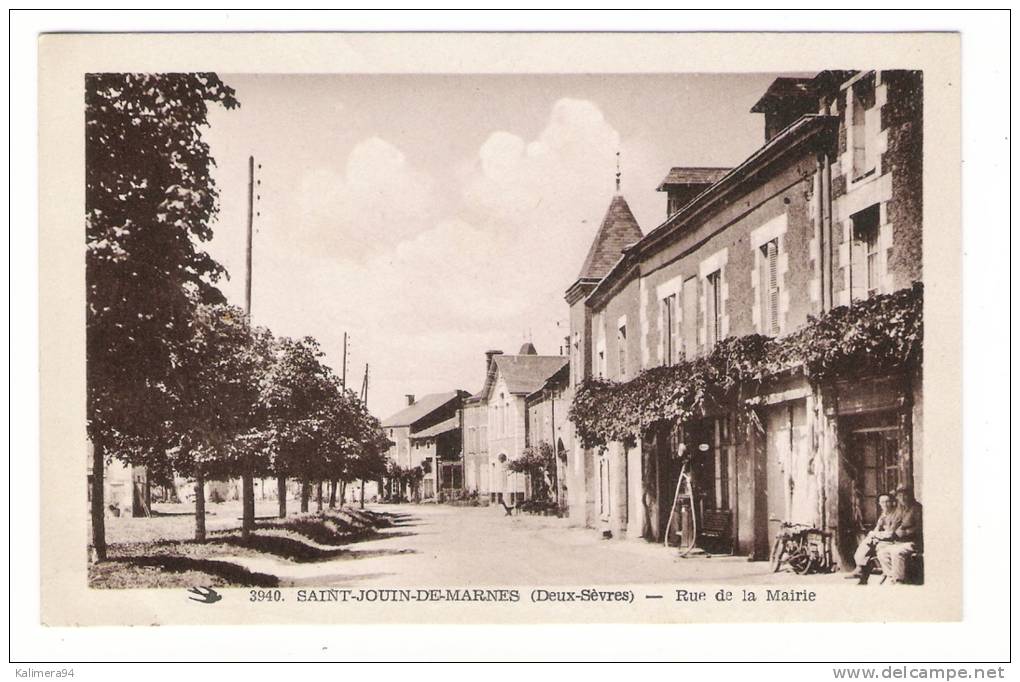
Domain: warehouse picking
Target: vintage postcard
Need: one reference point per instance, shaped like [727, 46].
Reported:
[500, 328]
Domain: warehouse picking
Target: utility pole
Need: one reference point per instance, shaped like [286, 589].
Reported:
[364, 401]
[343, 370]
[247, 261]
[247, 473]
[364, 387]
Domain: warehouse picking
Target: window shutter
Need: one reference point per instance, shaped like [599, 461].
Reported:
[773, 258]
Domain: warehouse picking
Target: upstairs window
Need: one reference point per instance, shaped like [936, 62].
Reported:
[670, 330]
[713, 309]
[768, 271]
[863, 126]
[621, 344]
[866, 269]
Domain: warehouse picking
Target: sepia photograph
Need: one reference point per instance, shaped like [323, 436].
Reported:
[496, 334]
[377, 331]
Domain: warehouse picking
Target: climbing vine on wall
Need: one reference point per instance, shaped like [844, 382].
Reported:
[878, 335]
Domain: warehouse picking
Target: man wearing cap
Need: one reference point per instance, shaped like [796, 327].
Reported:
[907, 537]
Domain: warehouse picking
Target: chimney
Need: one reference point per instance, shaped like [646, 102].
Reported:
[488, 359]
[410, 398]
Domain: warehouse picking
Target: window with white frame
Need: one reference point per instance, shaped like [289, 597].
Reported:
[864, 120]
[768, 273]
[866, 267]
[670, 330]
[621, 345]
[713, 309]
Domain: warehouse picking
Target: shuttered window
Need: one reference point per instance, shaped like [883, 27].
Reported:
[670, 330]
[713, 296]
[621, 343]
[770, 287]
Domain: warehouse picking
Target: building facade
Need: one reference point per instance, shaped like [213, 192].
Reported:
[424, 433]
[495, 421]
[826, 214]
[547, 425]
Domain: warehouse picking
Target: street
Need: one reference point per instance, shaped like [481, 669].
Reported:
[479, 546]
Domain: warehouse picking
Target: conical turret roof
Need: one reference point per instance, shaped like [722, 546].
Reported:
[619, 229]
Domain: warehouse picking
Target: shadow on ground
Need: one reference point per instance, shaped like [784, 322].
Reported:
[297, 551]
[231, 573]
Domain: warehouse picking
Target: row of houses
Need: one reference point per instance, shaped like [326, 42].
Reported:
[825, 214]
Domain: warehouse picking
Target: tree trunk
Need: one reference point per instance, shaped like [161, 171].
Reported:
[343, 492]
[306, 492]
[98, 501]
[318, 497]
[362, 493]
[247, 503]
[281, 495]
[332, 494]
[199, 505]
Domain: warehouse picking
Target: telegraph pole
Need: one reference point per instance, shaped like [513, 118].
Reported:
[247, 474]
[247, 261]
[364, 401]
[343, 370]
[364, 387]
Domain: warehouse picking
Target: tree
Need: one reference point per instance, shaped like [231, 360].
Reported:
[217, 415]
[537, 463]
[369, 462]
[149, 202]
[295, 395]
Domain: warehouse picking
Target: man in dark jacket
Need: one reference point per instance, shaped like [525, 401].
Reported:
[907, 537]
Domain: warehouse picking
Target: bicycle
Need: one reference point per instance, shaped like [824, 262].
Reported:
[804, 548]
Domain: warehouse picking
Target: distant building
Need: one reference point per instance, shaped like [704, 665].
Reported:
[548, 423]
[498, 411]
[126, 488]
[426, 433]
[475, 436]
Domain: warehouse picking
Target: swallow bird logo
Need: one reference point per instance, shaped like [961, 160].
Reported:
[205, 595]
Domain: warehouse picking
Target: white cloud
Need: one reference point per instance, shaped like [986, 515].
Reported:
[425, 283]
[377, 201]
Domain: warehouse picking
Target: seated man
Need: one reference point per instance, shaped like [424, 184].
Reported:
[907, 537]
[882, 532]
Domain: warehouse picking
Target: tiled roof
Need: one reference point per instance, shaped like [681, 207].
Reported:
[451, 424]
[681, 175]
[422, 408]
[619, 229]
[784, 89]
[526, 374]
[558, 379]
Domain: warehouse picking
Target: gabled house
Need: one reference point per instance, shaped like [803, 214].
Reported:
[499, 409]
[422, 433]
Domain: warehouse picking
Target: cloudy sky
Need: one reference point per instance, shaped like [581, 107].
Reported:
[435, 217]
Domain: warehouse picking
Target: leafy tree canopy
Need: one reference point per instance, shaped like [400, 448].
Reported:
[150, 201]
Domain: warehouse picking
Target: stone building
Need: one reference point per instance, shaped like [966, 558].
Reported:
[424, 432]
[495, 421]
[827, 213]
[547, 423]
[618, 231]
